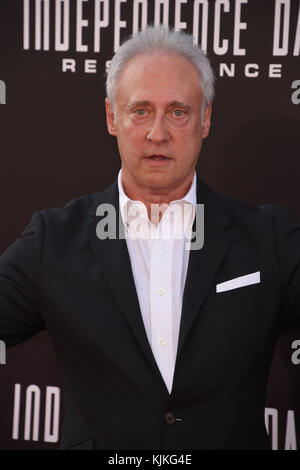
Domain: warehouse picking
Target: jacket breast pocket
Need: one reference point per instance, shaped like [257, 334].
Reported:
[241, 294]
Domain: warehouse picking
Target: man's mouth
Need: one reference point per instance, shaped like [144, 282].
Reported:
[157, 157]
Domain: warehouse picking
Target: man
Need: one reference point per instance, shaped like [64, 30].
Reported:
[161, 347]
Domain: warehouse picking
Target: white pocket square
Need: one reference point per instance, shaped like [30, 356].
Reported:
[247, 280]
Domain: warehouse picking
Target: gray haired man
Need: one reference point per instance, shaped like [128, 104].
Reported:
[161, 347]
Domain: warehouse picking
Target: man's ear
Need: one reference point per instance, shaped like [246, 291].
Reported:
[110, 118]
[206, 121]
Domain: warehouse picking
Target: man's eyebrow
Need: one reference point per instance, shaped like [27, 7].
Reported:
[138, 103]
[179, 104]
[173, 104]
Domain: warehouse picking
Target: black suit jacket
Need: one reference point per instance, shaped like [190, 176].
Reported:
[58, 275]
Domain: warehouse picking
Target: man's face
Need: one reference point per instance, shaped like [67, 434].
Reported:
[157, 120]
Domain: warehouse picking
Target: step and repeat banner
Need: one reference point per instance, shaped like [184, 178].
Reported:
[54, 147]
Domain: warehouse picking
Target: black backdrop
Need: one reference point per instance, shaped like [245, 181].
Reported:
[54, 147]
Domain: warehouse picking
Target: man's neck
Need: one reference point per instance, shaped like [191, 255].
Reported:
[156, 200]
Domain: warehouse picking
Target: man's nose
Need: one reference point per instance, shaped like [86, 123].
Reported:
[158, 132]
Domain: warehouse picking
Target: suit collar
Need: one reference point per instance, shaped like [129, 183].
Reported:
[109, 196]
[205, 195]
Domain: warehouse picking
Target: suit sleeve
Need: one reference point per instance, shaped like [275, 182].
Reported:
[288, 246]
[20, 318]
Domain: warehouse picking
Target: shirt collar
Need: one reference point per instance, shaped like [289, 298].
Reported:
[124, 200]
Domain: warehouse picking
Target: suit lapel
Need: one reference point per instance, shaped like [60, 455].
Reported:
[204, 263]
[113, 258]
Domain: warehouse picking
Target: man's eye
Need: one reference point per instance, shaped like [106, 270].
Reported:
[178, 112]
[140, 112]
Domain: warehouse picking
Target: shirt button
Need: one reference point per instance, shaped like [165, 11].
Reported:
[135, 207]
[169, 418]
[161, 291]
[162, 342]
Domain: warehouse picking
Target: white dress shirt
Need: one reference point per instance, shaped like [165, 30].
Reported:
[159, 260]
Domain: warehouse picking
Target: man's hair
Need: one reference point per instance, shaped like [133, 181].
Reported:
[161, 40]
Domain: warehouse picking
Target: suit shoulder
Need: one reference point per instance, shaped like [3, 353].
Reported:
[67, 223]
[240, 212]
[75, 209]
[267, 212]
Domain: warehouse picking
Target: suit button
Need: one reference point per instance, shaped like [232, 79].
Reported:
[169, 418]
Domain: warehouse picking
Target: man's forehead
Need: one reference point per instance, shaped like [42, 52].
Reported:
[164, 83]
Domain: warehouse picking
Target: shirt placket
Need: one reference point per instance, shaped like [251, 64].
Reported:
[161, 307]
